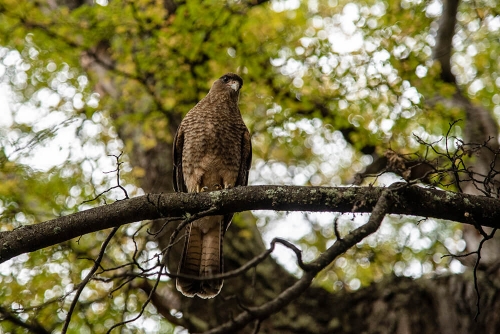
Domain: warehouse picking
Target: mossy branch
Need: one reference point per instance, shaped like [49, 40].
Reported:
[411, 200]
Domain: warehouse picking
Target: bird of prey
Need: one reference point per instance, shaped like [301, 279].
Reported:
[212, 151]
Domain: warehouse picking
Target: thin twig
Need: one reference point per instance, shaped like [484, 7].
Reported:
[250, 264]
[476, 266]
[87, 279]
[144, 305]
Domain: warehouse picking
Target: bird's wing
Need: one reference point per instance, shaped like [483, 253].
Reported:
[179, 184]
[246, 159]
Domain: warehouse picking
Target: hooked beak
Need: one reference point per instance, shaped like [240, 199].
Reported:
[235, 85]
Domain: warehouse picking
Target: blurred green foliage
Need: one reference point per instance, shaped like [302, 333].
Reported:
[327, 85]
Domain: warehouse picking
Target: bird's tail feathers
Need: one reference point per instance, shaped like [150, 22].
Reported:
[202, 257]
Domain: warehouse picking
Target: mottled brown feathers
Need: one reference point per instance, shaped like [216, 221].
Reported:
[212, 151]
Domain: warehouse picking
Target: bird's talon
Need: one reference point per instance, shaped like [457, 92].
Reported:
[217, 187]
[204, 189]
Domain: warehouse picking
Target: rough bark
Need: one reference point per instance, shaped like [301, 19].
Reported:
[411, 200]
[444, 304]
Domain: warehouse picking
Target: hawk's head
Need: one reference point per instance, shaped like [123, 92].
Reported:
[230, 83]
[232, 80]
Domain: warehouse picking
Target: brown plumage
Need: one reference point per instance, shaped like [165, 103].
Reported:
[212, 151]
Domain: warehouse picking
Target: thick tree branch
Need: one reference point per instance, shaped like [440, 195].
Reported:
[412, 200]
[35, 327]
[446, 31]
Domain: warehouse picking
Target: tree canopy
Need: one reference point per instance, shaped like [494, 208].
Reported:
[342, 100]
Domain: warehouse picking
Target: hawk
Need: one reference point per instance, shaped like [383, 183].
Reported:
[212, 151]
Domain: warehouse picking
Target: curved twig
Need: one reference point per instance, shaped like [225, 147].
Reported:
[87, 279]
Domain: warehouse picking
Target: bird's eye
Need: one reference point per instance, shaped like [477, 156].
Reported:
[225, 79]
